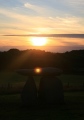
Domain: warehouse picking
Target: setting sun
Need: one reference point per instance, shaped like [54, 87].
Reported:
[39, 41]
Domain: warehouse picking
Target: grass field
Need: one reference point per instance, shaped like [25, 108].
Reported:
[10, 109]
[10, 104]
[13, 82]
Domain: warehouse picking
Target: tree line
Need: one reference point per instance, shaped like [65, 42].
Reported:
[14, 59]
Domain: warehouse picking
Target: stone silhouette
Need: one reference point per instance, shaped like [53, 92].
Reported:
[50, 91]
[29, 93]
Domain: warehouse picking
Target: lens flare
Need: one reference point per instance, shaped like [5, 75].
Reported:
[38, 70]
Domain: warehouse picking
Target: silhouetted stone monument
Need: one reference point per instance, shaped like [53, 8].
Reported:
[50, 91]
[29, 93]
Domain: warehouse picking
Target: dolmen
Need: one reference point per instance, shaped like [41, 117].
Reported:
[50, 92]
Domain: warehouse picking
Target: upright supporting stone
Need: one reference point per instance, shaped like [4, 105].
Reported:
[50, 91]
[29, 93]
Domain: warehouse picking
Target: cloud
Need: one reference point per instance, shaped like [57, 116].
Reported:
[51, 35]
[35, 8]
[76, 6]
[72, 42]
[40, 24]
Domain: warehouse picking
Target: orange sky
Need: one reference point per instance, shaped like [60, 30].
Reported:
[41, 17]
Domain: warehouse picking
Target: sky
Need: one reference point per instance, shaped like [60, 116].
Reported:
[41, 17]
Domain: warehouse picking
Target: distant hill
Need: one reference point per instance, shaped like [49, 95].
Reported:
[55, 49]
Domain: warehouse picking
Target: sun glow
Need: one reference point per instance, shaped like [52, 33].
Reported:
[39, 41]
[38, 70]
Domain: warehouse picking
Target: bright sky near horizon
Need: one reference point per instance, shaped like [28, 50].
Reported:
[41, 17]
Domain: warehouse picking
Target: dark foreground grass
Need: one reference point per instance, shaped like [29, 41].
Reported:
[11, 109]
[11, 80]
[13, 77]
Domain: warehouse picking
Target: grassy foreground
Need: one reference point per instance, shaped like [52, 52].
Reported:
[10, 109]
[10, 104]
[11, 82]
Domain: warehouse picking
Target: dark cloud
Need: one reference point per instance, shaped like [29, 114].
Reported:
[50, 35]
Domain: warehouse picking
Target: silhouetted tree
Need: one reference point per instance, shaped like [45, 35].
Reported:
[70, 62]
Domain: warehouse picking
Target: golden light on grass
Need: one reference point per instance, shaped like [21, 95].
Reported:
[38, 70]
[39, 41]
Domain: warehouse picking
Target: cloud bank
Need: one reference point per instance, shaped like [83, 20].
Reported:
[51, 35]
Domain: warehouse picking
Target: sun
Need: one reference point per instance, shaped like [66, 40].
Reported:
[38, 41]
